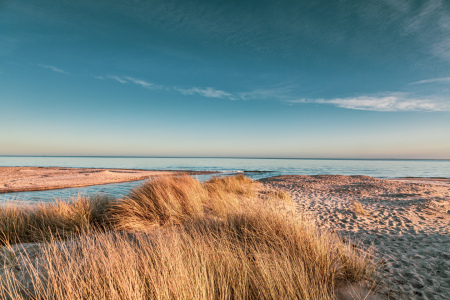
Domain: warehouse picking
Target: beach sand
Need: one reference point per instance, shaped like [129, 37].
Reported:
[20, 179]
[406, 220]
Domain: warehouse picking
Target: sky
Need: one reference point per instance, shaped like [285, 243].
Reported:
[304, 79]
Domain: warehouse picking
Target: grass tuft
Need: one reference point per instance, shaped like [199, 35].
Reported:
[163, 201]
[359, 208]
[277, 195]
[21, 223]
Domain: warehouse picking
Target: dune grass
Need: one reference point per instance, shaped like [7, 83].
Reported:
[176, 238]
[166, 201]
[21, 223]
[359, 208]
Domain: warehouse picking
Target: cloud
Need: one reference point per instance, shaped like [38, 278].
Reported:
[117, 78]
[53, 68]
[433, 80]
[128, 79]
[441, 47]
[431, 24]
[279, 93]
[387, 102]
[207, 92]
[383, 102]
[140, 82]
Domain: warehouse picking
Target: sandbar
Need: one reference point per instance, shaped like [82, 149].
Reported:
[21, 179]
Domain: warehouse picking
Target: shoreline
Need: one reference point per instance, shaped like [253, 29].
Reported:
[29, 179]
[34, 179]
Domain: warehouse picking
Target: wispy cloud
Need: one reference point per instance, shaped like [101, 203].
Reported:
[279, 93]
[206, 92]
[383, 102]
[140, 82]
[431, 24]
[387, 102]
[276, 93]
[53, 68]
[433, 80]
[117, 78]
[128, 79]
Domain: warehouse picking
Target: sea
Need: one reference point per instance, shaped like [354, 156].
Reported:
[255, 168]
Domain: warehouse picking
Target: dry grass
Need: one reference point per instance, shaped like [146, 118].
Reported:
[238, 185]
[226, 194]
[186, 244]
[277, 195]
[166, 201]
[359, 208]
[35, 223]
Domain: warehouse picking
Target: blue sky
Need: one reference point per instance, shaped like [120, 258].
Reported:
[346, 79]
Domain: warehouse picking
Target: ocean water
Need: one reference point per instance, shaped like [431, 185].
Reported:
[253, 167]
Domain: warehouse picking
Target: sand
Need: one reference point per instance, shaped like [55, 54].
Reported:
[407, 221]
[20, 179]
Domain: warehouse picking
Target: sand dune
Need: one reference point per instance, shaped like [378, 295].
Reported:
[19, 179]
[406, 220]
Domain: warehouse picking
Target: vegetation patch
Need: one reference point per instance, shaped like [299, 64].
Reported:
[177, 238]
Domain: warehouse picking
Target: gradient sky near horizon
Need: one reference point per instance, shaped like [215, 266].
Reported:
[312, 79]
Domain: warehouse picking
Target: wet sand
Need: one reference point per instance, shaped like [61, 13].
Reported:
[406, 220]
[21, 179]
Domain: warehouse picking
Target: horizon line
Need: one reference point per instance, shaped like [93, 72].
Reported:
[226, 157]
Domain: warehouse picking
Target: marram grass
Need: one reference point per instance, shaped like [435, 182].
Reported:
[176, 238]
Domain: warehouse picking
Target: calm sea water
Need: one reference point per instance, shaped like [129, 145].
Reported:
[255, 168]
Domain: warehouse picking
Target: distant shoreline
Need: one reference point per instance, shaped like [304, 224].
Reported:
[236, 157]
[28, 179]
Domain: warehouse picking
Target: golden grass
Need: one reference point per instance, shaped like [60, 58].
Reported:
[359, 208]
[173, 239]
[165, 201]
[226, 194]
[276, 195]
[35, 223]
[238, 185]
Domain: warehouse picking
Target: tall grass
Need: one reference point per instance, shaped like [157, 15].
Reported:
[172, 238]
[166, 201]
[21, 223]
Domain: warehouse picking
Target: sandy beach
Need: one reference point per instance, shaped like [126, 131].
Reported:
[20, 179]
[406, 220]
